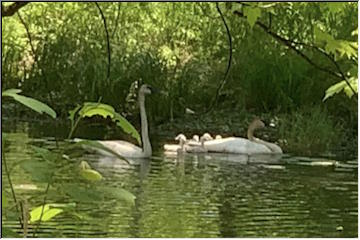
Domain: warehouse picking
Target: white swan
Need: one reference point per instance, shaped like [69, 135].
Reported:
[129, 150]
[218, 137]
[241, 145]
[175, 147]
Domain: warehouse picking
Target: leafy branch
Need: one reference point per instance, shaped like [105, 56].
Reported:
[11, 9]
[292, 45]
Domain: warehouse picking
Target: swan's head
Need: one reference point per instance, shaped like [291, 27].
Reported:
[207, 137]
[146, 89]
[257, 123]
[181, 138]
[196, 138]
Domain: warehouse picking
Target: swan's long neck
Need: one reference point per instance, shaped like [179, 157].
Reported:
[273, 147]
[250, 133]
[144, 127]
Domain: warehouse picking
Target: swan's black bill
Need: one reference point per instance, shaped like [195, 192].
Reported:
[154, 90]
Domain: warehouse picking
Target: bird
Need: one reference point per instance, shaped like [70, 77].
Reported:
[127, 149]
[239, 145]
[174, 147]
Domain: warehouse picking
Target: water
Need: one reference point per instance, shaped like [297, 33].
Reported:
[204, 195]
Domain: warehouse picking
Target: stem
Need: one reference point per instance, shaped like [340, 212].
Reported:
[42, 210]
[74, 127]
[10, 183]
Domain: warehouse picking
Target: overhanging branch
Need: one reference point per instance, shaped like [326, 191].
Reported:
[11, 9]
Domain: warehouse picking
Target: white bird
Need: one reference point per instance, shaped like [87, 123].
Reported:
[218, 137]
[129, 150]
[238, 145]
[207, 137]
[175, 147]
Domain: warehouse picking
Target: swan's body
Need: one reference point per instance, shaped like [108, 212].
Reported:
[129, 150]
[218, 137]
[238, 145]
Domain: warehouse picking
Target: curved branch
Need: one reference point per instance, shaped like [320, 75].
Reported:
[290, 44]
[12, 9]
[107, 38]
[28, 34]
[221, 85]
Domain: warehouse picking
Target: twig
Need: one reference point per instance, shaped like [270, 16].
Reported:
[42, 210]
[28, 34]
[107, 38]
[12, 9]
[116, 20]
[290, 43]
[221, 85]
[10, 183]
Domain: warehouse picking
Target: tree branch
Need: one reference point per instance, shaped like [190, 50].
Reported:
[221, 85]
[107, 38]
[11, 9]
[291, 44]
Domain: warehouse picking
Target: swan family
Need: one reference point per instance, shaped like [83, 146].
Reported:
[205, 143]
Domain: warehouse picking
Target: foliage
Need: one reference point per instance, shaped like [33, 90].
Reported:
[29, 102]
[90, 109]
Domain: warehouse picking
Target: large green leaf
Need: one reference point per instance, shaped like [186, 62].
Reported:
[90, 109]
[120, 194]
[82, 193]
[48, 213]
[96, 145]
[29, 102]
[252, 14]
[338, 87]
[8, 233]
[126, 126]
[40, 171]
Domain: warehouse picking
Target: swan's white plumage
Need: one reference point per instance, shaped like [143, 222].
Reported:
[235, 145]
[126, 149]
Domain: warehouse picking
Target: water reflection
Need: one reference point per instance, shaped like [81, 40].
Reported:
[202, 195]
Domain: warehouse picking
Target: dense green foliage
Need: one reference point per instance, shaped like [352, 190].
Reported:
[183, 49]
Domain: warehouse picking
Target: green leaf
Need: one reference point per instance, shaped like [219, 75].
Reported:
[126, 126]
[40, 171]
[82, 194]
[252, 14]
[120, 194]
[48, 213]
[335, 7]
[72, 114]
[30, 102]
[91, 175]
[90, 109]
[96, 145]
[8, 233]
[4, 201]
[354, 84]
[336, 88]
[355, 32]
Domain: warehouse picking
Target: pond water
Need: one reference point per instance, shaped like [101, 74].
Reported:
[203, 195]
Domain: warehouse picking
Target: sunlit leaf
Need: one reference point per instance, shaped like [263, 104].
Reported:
[355, 32]
[338, 87]
[84, 165]
[252, 14]
[90, 109]
[48, 213]
[90, 175]
[30, 102]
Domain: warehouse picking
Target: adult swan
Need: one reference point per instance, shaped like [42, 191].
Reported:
[248, 146]
[129, 150]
